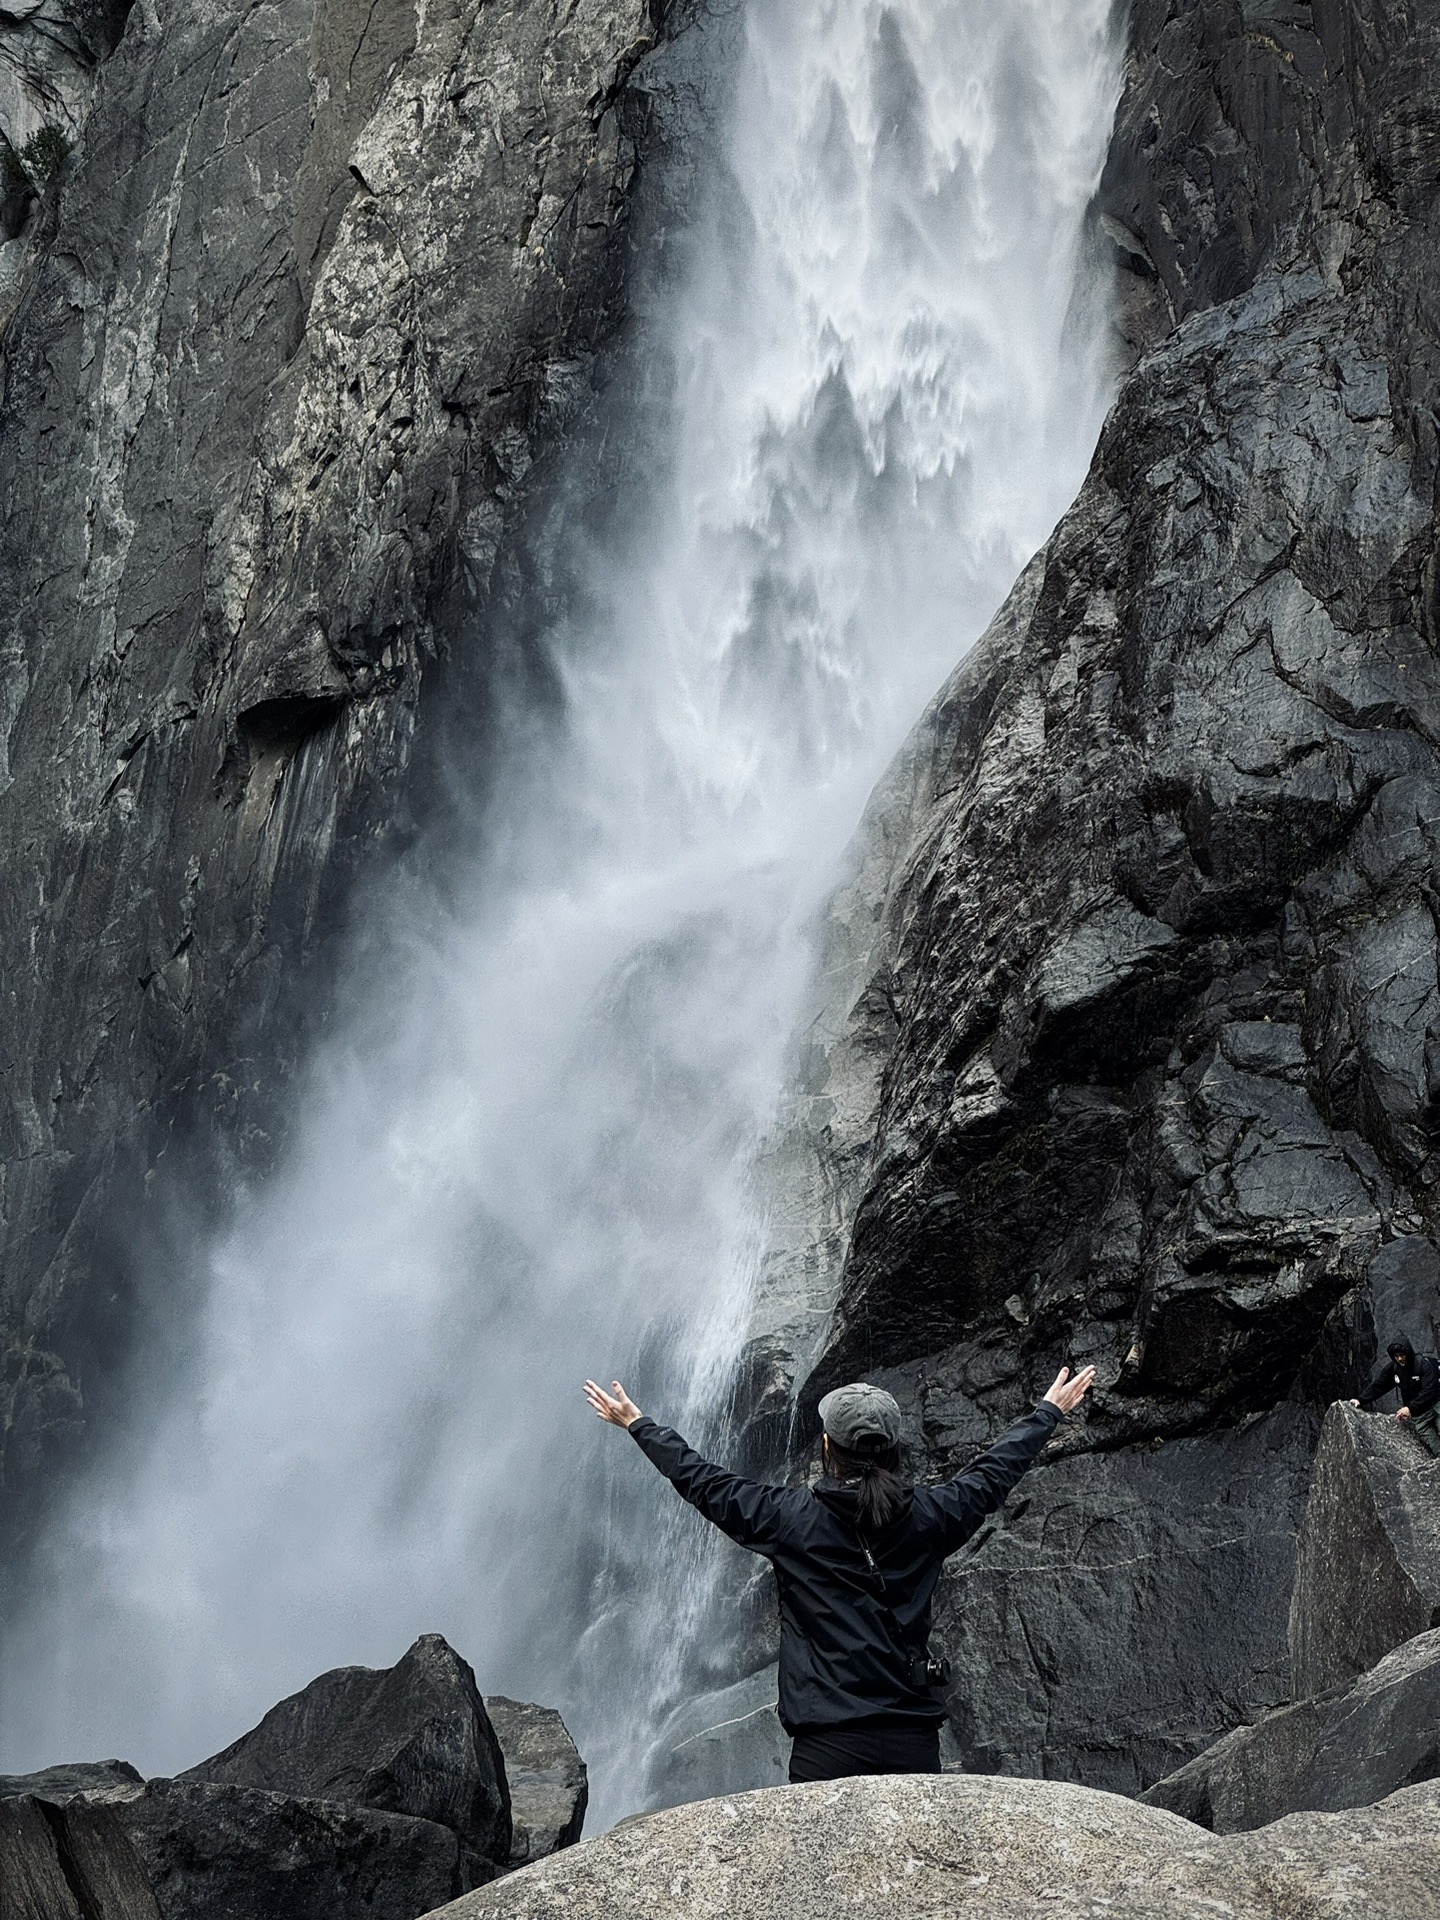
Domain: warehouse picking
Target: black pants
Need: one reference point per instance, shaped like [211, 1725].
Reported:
[832, 1753]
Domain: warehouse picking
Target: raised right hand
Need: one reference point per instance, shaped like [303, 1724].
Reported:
[1067, 1393]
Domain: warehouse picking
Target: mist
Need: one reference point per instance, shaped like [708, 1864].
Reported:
[523, 1154]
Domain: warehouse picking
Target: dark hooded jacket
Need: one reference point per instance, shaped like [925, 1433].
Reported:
[849, 1634]
[1415, 1377]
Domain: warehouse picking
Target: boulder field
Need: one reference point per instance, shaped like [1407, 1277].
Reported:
[377, 1792]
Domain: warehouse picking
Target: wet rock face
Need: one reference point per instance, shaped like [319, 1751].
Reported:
[1126, 1046]
[320, 282]
[1347, 1748]
[1368, 1568]
[51, 52]
[1151, 988]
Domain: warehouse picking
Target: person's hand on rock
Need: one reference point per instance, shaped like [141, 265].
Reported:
[1403, 1414]
[620, 1410]
[1355, 1403]
[1067, 1393]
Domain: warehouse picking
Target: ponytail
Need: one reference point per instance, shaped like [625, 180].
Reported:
[881, 1492]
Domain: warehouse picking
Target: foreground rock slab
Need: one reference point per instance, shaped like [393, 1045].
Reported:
[1367, 1575]
[1348, 1748]
[973, 1848]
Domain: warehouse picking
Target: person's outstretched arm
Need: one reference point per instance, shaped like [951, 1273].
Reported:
[750, 1512]
[966, 1500]
[1383, 1383]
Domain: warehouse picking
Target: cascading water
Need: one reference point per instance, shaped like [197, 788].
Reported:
[527, 1159]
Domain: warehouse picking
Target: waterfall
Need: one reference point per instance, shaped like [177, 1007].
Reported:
[522, 1155]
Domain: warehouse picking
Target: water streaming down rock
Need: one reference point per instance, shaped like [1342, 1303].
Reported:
[527, 1157]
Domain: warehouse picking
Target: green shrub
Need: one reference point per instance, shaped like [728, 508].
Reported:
[38, 161]
[44, 153]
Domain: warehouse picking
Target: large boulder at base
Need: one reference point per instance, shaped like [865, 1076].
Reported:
[68, 1863]
[549, 1786]
[973, 1848]
[239, 1852]
[1348, 1748]
[411, 1739]
[1367, 1575]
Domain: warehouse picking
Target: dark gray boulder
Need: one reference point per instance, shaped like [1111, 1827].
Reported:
[382, 1791]
[68, 1863]
[214, 1852]
[62, 1783]
[549, 1787]
[1348, 1748]
[412, 1739]
[1367, 1574]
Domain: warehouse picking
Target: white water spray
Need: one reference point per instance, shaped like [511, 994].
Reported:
[529, 1162]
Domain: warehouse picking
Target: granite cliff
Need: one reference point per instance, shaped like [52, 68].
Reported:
[1125, 1051]
[294, 297]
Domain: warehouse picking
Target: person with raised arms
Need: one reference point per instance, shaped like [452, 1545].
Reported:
[856, 1559]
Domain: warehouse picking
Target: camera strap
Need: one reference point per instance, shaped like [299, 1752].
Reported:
[907, 1647]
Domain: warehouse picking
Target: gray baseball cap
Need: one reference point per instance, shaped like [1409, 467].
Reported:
[861, 1416]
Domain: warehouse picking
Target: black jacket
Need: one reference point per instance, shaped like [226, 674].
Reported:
[1417, 1381]
[846, 1646]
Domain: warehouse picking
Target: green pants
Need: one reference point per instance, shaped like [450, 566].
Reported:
[1426, 1428]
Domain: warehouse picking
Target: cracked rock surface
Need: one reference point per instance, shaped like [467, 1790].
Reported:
[69, 1863]
[549, 1787]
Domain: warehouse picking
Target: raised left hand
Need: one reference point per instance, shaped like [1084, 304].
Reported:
[620, 1410]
